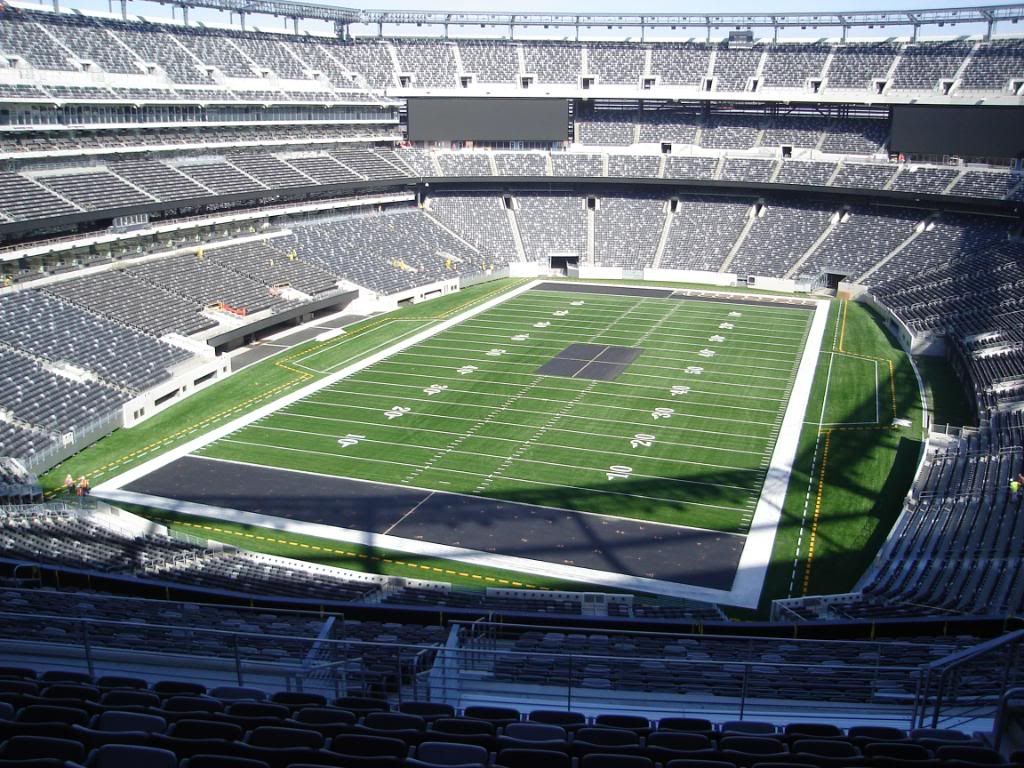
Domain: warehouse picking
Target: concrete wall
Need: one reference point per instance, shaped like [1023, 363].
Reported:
[926, 344]
[690, 276]
[163, 396]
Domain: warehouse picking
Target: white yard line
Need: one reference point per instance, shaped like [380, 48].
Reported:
[477, 393]
[467, 473]
[532, 441]
[619, 339]
[291, 414]
[611, 384]
[402, 519]
[756, 553]
[406, 399]
[429, 550]
[645, 425]
[668, 331]
[704, 362]
[235, 424]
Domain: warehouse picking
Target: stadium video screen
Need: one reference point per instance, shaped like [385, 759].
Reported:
[468, 119]
[966, 131]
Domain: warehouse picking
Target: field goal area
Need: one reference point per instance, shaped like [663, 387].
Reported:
[631, 437]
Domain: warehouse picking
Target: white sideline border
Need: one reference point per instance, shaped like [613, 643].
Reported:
[754, 558]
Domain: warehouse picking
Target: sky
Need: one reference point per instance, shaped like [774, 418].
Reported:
[153, 10]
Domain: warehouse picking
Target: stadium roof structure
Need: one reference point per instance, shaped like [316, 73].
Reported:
[988, 15]
[343, 17]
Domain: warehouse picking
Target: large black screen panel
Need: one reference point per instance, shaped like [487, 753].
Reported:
[961, 131]
[470, 119]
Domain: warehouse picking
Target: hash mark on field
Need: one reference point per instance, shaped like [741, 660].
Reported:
[453, 446]
[549, 385]
[518, 452]
[514, 440]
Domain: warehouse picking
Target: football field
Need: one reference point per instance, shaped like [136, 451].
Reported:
[655, 406]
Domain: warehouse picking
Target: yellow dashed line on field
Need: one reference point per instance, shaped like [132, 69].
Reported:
[361, 555]
[100, 473]
[886, 360]
[817, 513]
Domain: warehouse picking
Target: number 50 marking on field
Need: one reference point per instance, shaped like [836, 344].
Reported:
[619, 472]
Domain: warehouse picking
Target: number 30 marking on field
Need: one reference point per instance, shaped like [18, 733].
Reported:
[662, 413]
[619, 472]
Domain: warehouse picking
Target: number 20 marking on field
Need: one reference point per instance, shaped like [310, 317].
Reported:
[619, 472]
[662, 413]
[641, 440]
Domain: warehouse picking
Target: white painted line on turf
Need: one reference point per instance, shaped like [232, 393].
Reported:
[423, 548]
[152, 465]
[757, 552]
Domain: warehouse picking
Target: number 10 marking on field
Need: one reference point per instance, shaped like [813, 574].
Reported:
[619, 472]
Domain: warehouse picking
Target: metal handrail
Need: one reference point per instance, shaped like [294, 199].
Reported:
[1002, 714]
[936, 675]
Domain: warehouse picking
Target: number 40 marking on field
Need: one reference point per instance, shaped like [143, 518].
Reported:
[349, 440]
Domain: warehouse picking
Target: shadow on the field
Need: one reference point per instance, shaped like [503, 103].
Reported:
[552, 524]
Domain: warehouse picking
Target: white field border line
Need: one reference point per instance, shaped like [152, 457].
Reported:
[185, 449]
[300, 362]
[426, 549]
[740, 595]
[504, 382]
[828, 381]
[812, 476]
[757, 551]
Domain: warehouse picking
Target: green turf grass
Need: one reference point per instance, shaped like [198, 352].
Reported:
[868, 469]
[864, 483]
[500, 430]
[946, 396]
[353, 557]
[255, 386]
